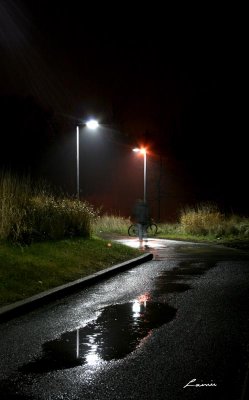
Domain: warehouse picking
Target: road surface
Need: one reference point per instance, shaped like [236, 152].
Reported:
[176, 327]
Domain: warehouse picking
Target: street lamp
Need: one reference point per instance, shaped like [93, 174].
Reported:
[91, 124]
[143, 151]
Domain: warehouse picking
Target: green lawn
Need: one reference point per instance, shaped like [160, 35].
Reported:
[25, 271]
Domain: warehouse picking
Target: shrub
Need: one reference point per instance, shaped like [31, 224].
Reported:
[236, 226]
[30, 213]
[202, 220]
[206, 219]
[52, 218]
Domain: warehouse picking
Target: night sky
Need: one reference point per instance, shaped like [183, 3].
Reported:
[173, 80]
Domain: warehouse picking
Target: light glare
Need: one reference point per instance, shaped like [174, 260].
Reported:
[142, 150]
[92, 124]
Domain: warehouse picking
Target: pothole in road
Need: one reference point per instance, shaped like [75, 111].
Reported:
[118, 331]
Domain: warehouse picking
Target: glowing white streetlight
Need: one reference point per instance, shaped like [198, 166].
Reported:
[91, 124]
[142, 151]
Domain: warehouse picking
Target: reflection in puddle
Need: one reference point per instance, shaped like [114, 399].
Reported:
[117, 331]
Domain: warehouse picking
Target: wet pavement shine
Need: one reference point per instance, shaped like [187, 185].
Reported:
[176, 327]
[118, 330]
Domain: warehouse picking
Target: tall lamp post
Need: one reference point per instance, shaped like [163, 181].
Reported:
[143, 151]
[91, 124]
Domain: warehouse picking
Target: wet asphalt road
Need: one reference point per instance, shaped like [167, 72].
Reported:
[176, 327]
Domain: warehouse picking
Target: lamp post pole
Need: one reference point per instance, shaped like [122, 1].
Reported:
[91, 124]
[143, 151]
[145, 162]
[78, 162]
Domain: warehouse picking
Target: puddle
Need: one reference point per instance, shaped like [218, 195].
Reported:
[118, 331]
[171, 281]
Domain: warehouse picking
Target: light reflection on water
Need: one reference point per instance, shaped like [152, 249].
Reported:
[118, 330]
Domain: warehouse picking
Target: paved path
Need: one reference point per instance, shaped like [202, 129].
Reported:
[175, 327]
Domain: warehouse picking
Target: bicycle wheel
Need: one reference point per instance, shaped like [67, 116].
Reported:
[132, 231]
[152, 229]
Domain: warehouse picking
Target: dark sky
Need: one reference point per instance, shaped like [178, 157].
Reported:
[174, 80]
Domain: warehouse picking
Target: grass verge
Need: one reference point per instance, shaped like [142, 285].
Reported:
[25, 271]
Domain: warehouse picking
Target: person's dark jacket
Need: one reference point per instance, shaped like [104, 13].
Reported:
[141, 213]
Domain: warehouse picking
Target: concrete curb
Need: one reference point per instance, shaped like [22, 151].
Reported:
[22, 306]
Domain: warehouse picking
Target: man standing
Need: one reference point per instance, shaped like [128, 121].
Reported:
[141, 218]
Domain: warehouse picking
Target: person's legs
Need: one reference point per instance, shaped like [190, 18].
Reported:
[140, 231]
[144, 233]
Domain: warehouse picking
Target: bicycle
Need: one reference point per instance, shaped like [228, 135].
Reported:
[151, 229]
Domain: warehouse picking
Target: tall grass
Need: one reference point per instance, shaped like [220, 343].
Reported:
[15, 193]
[52, 218]
[111, 224]
[206, 219]
[31, 212]
[202, 220]
[169, 229]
